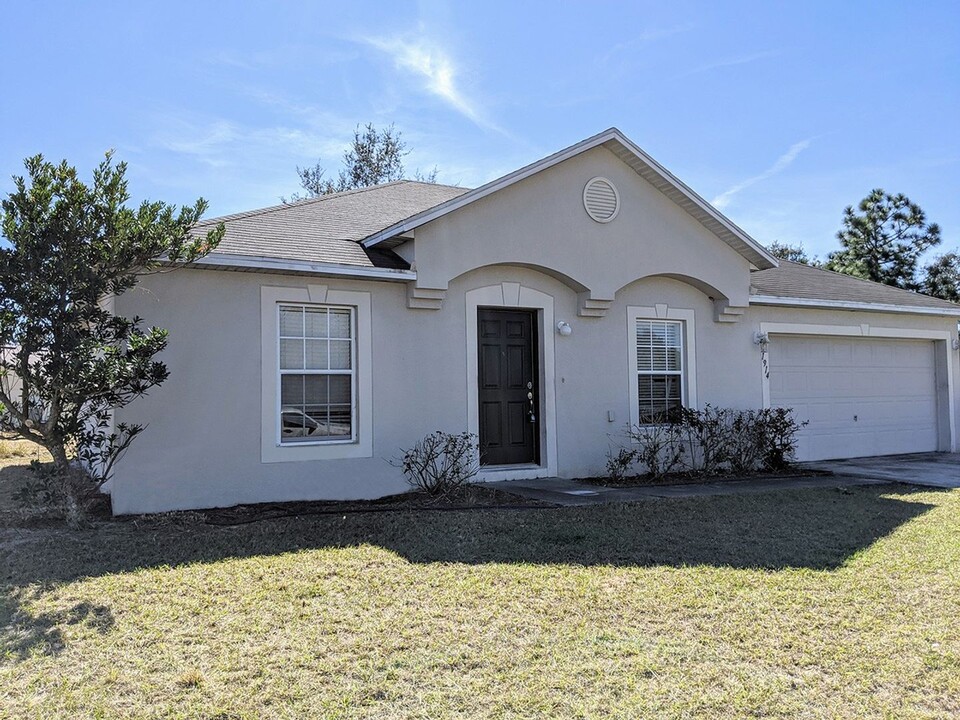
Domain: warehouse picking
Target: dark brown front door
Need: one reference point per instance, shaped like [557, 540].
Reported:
[509, 399]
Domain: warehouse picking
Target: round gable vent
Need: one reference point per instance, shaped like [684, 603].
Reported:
[601, 200]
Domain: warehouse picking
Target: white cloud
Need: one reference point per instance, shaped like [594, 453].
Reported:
[782, 163]
[438, 71]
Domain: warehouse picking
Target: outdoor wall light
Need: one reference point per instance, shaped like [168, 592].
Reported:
[956, 344]
[564, 328]
[761, 338]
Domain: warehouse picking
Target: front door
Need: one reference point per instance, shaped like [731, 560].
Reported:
[509, 401]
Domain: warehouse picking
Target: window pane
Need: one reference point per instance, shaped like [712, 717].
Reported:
[291, 321]
[316, 323]
[340, 323]
[659, 346]
[659, 396]
[317, 354]
[340, 358]
[339, 389]
[291, 354]
[291, 389]
[339, 425]
[315, 389]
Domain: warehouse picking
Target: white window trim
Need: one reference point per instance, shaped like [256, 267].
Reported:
[511, 294]
[689, 360]
[942, 339]
[351, 373]
[271, 449]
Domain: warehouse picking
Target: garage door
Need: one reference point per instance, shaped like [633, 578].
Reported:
[861, 396]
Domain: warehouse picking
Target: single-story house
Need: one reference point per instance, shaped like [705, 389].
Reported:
[543, 311]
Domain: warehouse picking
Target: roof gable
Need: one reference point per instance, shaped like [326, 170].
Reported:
[644, 165]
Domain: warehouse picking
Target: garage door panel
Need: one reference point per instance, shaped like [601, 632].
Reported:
[860, 396]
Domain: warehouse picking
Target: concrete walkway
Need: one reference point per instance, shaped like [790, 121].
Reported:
[572, 492]
[940, 470]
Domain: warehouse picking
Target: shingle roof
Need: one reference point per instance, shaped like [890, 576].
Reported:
[327, 229]
[795, 280]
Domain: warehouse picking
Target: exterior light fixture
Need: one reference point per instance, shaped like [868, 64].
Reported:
[761, 338]
[564, 328]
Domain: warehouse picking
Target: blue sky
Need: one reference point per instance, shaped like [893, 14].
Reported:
[779, 113]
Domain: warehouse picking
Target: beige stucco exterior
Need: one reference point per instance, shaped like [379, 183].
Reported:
[204, 445]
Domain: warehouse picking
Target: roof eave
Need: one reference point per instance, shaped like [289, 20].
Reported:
[254, 263]
[851, 305]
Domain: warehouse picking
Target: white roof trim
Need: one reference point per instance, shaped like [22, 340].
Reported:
[851, 305]
[269, 264]
[750, 249]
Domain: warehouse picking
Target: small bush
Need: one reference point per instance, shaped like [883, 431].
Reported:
[707, 434]
[441, 462]
[659, 448]
[709, 442]
[779, 437]
[619, 464]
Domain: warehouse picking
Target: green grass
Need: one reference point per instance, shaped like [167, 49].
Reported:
[814, 603]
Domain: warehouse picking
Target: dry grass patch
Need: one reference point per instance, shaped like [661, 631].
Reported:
[815, 603]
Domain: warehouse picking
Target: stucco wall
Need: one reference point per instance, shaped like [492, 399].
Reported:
[540, 222]
[202, 446]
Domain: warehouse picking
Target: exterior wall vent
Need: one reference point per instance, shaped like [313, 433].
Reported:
[601, 200]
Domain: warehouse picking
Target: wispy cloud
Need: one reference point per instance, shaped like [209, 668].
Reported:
[642, 38]
[730, 62]
[436, 69]
[218, 143]
[782, 163]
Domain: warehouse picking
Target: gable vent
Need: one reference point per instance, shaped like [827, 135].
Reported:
[601, 200]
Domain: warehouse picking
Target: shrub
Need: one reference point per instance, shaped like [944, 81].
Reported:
[707, 433]
[708, 442]
[779, 437]
[441, 462]
[659, 448]
[619, 464]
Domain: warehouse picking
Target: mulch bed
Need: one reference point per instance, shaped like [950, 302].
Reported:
[688, 478]
[468, 497]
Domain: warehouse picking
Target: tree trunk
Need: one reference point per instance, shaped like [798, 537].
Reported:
[72, 506]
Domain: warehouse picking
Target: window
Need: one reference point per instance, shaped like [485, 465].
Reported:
[317, 376]
[660, 370]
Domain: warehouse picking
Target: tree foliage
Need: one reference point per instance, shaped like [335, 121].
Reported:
[374, 157]
[66, 360]
[942, 277]
[793, 253]
[883, 240]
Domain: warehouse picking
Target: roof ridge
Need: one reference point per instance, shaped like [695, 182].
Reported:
[301, 203]
[865, 280]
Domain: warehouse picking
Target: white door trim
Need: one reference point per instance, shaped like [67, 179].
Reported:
[512, 294]
[942, 339]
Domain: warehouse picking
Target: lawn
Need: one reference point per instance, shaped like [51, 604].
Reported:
[810, 603]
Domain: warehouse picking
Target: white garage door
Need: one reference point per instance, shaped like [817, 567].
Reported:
[861, 396]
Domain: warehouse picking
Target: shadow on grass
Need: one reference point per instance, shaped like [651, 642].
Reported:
[817, 529]
[24, 633]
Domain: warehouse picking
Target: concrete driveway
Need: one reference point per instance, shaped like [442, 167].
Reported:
[940, 470]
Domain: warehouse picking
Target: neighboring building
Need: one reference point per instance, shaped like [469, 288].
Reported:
[543, 311]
